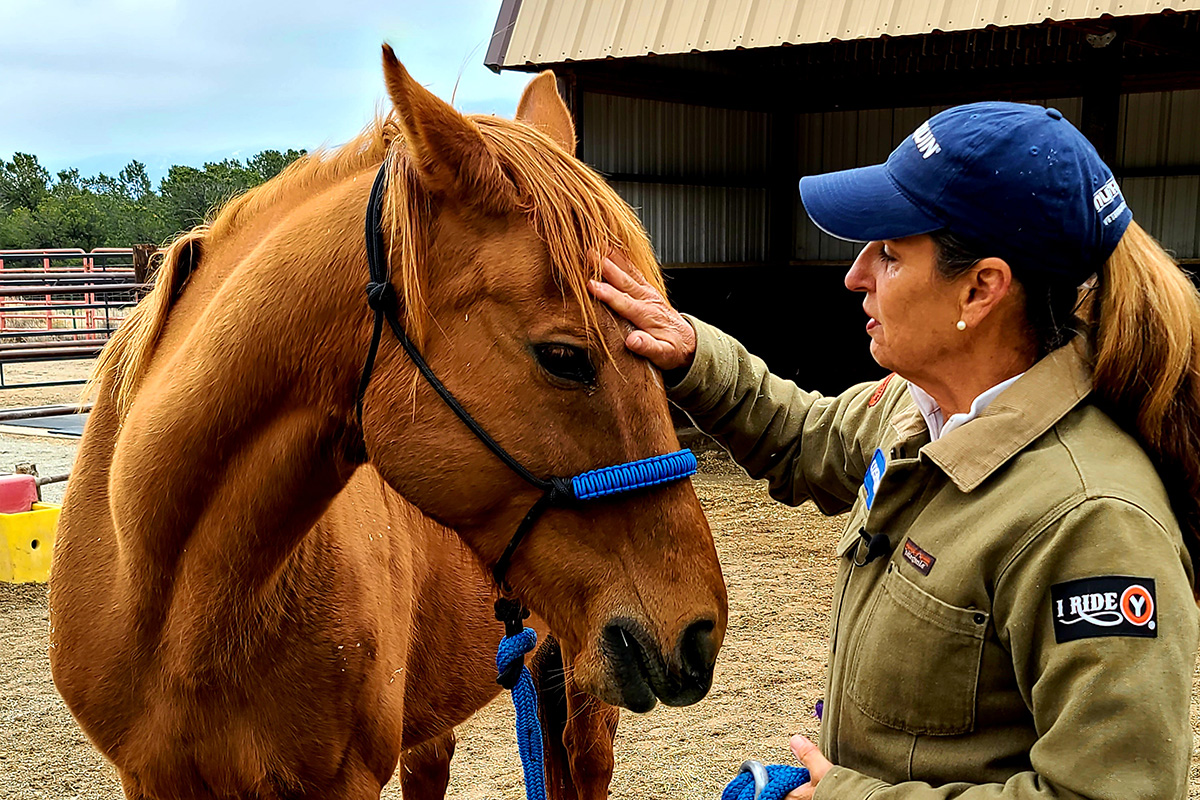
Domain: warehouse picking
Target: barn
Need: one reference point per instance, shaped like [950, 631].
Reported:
[703, 114]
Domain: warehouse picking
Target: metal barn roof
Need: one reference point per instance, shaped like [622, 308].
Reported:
[540, 32]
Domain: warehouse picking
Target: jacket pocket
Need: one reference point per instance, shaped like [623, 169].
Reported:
[916, 662]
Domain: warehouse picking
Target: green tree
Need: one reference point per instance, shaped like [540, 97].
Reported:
[117, 211]
[191, 195]
[22, 182]
[269, 163]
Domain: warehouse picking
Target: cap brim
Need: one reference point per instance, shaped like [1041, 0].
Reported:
[862, 205]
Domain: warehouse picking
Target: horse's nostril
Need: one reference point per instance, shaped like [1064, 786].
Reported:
[643, 672]
[630, 665]
[698, 649]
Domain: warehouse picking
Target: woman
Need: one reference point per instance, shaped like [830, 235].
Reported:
[1014, 612]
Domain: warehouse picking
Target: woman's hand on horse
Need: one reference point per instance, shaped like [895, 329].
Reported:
[814, 761]
[662, 335]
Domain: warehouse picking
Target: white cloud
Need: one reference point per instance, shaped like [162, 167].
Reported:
[186, 79]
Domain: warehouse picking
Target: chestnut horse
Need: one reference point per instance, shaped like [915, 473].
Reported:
[253, 594]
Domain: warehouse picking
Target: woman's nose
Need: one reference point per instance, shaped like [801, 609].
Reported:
[858, 279]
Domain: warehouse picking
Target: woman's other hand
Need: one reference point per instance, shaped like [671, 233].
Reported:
[816, 764]
[662, 335]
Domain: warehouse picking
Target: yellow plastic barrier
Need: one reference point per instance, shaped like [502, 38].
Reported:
[26, 542]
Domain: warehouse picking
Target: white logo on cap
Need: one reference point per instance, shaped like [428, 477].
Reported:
[1106, 194]
[923, 137]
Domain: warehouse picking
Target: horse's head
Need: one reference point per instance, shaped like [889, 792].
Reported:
[494, 229]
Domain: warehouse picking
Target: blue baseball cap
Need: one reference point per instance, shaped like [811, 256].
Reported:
[1016, 181]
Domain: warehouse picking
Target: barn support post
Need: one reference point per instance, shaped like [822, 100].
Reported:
[784, 163]
[571, 93]
[1101, 91]
[142, 268]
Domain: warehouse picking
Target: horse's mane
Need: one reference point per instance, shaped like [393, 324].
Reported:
[571, 209]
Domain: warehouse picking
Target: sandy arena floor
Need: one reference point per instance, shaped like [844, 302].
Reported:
[779, 566]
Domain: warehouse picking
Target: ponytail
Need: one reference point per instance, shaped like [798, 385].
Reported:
[1143, 320]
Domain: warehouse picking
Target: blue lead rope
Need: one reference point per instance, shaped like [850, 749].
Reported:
[529, 731]
[510, 658]
[756, 782]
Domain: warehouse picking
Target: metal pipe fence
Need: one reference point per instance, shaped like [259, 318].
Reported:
[62, 303]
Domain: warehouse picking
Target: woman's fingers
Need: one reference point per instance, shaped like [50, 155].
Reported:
[617, 275]
[636, 311]
[663, 336]
[814, 761]
[621, 260]
[650, 348]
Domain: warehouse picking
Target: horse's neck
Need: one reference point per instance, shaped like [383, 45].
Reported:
[238, 438]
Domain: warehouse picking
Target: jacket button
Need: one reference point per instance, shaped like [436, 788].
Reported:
[980, 619]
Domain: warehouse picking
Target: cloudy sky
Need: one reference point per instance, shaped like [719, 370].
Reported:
[94, 83]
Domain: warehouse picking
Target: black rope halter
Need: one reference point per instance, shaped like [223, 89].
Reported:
[556, 491]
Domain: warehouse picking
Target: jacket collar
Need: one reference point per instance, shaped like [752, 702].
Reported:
[1019, 416]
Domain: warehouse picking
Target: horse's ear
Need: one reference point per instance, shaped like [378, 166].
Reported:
[447, 148]
[542, 108]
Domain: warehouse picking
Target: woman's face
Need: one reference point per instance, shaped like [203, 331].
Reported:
[912, 309]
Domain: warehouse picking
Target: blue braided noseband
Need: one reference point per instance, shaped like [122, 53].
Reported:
[646, 472]
[634, 475]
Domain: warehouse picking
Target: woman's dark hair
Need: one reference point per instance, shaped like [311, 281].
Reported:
[1050, 304]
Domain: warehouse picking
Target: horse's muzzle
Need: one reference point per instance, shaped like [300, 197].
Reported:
[644, 674]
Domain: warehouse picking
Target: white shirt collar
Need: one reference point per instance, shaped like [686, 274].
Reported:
[932, 412]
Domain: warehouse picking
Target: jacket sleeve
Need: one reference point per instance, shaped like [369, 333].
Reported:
[1112, 712]
[805, 445]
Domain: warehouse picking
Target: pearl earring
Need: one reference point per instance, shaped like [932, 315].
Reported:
[962, 326]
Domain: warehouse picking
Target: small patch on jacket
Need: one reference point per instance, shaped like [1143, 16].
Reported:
[918, 557]
[1108, 605]
[874, 475]
[880, 389]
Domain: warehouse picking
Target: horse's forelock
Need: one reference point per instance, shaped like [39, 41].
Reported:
[577, 216]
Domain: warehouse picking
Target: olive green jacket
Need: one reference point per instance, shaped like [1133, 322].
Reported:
[947, 676]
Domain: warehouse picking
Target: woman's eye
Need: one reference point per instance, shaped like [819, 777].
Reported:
[567, 362]
[885, 256]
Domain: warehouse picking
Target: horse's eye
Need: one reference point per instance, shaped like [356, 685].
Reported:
[566, 361]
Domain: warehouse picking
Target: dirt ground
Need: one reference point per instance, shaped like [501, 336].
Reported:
[778, 564]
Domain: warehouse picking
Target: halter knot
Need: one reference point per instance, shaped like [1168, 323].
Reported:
[510, 657]
[515, 676]
[561, 492]
[380, 296]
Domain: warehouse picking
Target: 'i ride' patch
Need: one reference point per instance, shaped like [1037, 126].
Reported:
[1110, 605]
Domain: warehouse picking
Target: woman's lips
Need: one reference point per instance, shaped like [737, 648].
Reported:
[871, 324]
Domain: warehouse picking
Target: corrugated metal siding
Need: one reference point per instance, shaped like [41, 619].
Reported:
[692, 223]
[1159, 131]
[553, 31]
[701, 224]
[671, 139]
[1167, 208]
[686, 223]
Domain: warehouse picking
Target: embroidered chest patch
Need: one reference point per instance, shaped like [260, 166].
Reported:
[918, 557]
[1109, 605]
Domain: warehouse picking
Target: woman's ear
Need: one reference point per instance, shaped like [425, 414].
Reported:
[987, 285]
